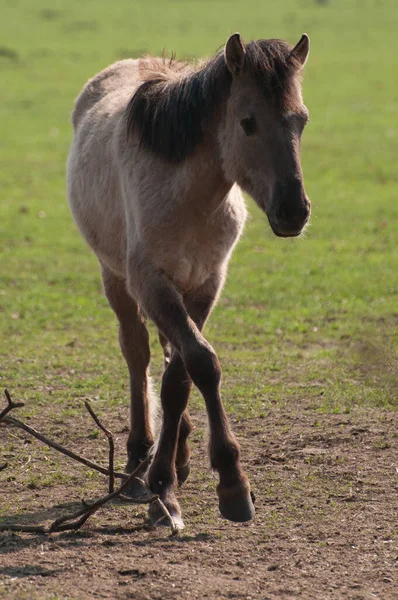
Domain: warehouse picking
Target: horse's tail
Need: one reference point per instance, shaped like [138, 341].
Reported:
[154, 417]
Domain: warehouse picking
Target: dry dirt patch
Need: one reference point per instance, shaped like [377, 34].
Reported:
[326, 525]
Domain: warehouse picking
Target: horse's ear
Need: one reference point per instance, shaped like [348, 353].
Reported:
[301, 50]
[235, 54]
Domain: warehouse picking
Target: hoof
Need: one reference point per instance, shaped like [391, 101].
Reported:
[136, 490]
[133, 463]
[236, 507]
[157, 518]
[182, 473]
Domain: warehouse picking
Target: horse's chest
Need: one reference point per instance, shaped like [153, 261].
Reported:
[194, 263]
[199, 252]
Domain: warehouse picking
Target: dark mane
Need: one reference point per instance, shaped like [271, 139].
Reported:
[169, 110]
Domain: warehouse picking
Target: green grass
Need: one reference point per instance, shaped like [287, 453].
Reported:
[310, 322]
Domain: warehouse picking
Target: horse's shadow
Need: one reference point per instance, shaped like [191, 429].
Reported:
[40, 516]
[14, 541]
[29, 571]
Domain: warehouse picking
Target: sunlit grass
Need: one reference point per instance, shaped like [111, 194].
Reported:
[311, 321]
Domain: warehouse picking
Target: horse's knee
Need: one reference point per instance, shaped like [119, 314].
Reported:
[203, 367]
[185, 426]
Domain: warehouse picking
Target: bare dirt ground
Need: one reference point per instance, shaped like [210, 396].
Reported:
[326, 491]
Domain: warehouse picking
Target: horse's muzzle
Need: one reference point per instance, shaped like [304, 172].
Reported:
[291, 209]
[284, 229]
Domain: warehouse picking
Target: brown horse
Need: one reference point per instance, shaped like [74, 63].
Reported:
[160, 152]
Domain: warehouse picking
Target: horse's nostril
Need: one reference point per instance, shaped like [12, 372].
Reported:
[292, 207]
[281, 213]
[293, 215]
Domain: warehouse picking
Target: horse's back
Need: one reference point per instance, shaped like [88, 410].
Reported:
[118, 78]
[94, 193]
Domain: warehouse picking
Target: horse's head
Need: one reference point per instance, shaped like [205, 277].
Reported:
[264, 120]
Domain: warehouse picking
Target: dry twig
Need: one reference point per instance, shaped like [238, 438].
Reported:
[110, 442]
[68, 522]
[10, 405]
[60, 448]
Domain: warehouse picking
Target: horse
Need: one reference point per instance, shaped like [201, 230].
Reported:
[162, 151]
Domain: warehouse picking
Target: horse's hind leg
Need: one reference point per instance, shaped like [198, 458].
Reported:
[134, 342]
[163, 474]
[183, 451]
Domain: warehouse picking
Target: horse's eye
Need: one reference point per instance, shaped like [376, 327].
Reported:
[249, 125]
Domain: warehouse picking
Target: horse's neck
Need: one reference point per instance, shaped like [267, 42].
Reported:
[208, 186]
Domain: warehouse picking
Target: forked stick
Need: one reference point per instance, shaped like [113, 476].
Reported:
[61, 524]
[60, 448]
[10, 405]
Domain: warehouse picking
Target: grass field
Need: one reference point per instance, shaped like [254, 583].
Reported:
[304, 326]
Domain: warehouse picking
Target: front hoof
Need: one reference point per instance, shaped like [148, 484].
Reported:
[235, 506]
[158, 518]
[182, 473]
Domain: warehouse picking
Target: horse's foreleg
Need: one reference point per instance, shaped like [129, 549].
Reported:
[134, 342]
[233, 490]
[165, 306]
[199, 307]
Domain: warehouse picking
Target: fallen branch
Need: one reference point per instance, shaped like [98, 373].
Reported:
[111, 445]
[60, 448]
[68, 522]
